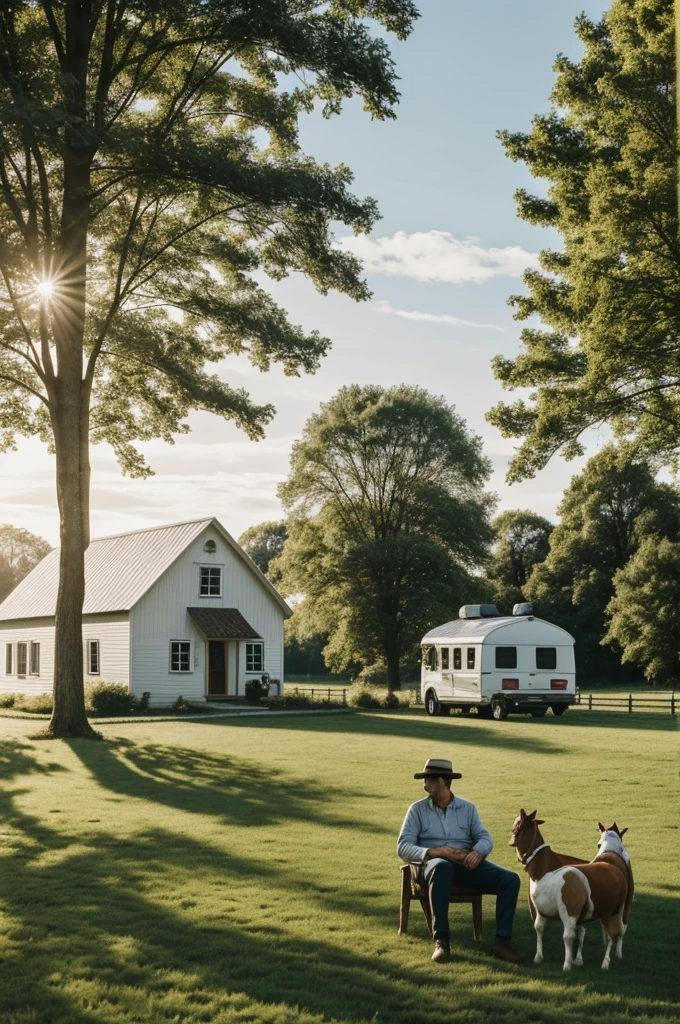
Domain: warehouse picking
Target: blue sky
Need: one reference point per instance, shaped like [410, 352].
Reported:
[441, 263]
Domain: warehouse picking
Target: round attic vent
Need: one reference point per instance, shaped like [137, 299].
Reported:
[210, 547]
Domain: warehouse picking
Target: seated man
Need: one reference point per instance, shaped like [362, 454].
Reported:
[444, 836]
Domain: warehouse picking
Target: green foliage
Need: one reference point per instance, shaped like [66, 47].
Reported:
[264, 543]
[606, 513]
[182, 148]
[388, 517]
[109, 699]
[256, 689]
[8, 700]
[20, 551]
[38, 704]
[522, 540]
[609, 350]
[644, 613]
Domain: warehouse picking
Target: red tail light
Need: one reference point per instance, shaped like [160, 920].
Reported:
[510, 684]
[558, 684]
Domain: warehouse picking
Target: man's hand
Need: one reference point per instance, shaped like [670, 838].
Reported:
[448, 853]
[472, 860]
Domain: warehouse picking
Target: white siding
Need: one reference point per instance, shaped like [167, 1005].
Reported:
[161, 616]
[112, 631]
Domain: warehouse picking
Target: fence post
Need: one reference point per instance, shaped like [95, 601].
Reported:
[630, 702]
[312, 695]
[590, 702]
[329, 694]
[672, 702]
[344, 696]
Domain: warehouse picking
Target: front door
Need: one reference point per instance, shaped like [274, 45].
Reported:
[217, 669]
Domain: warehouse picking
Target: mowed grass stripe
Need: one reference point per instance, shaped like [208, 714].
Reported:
[246, 871]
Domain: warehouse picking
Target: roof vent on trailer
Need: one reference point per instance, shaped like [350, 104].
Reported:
[523, 609]
[478, 611]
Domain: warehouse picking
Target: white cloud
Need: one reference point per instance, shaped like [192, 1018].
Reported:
[438, 256]
[437, 318]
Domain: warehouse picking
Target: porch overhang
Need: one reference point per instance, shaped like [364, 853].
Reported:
[223, 624]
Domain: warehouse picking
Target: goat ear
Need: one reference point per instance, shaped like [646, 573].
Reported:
[623, 832]
[539, 821]
[601, 827]
[531, 816]
[522, 813]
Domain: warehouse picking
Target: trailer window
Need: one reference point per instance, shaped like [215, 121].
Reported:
[546, 657]
[430, 658]
[506, 657]
[470, 657]
[445, 658]
[457, 661]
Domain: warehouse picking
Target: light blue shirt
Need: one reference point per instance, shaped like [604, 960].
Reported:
[426, 826]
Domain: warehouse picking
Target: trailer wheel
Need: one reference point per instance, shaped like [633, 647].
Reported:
[559, 709]
[499, 710]
[432, 705]
[538, 712]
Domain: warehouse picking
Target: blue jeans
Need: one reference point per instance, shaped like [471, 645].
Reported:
[487, 878]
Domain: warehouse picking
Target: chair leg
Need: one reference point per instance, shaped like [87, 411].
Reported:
[425, 904]
[405, 902]
[477, 920]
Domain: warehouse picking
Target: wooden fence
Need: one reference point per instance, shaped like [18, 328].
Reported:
[628, 702]
[332, 694]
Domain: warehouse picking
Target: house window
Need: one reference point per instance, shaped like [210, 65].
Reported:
[506, 657]
[9, 659]
[211, 581]
[470, 657]
[457, 661]
[180, 656]
[445, 658]
[93, 657]
[254, 657]
[22, 652]
[546, 657]
[35, 658]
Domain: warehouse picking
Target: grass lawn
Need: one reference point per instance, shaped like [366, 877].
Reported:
[245, 870]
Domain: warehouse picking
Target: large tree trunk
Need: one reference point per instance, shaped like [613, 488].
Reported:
[69, 717]
[69, 405]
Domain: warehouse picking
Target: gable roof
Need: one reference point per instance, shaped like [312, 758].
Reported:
[119, 570]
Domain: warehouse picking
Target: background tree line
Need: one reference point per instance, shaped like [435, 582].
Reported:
[390, 530]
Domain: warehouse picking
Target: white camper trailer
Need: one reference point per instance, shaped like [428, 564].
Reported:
[498, 664]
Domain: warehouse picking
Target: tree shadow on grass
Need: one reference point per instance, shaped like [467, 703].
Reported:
[409, 727]
[234, 790]
[648, 720]
[166, 927]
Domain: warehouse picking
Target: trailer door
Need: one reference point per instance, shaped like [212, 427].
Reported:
[466, 672]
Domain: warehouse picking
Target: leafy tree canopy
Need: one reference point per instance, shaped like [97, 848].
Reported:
[644, 613]
[608, 349]
[149, 167]
[264, 542]
[522, 540]
[20, 551]
[388, 517]
[606, 513]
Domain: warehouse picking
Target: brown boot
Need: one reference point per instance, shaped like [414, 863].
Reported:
[442, 951]
[504, 951]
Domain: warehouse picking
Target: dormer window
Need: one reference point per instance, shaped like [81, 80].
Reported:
[210, 581]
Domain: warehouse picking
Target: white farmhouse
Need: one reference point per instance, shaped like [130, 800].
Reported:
[174, 610]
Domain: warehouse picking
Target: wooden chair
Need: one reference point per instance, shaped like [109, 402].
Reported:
[411, 889]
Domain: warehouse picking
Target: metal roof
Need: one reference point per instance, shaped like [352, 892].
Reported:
[479, 629]
[223, 624]
[119, 570]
